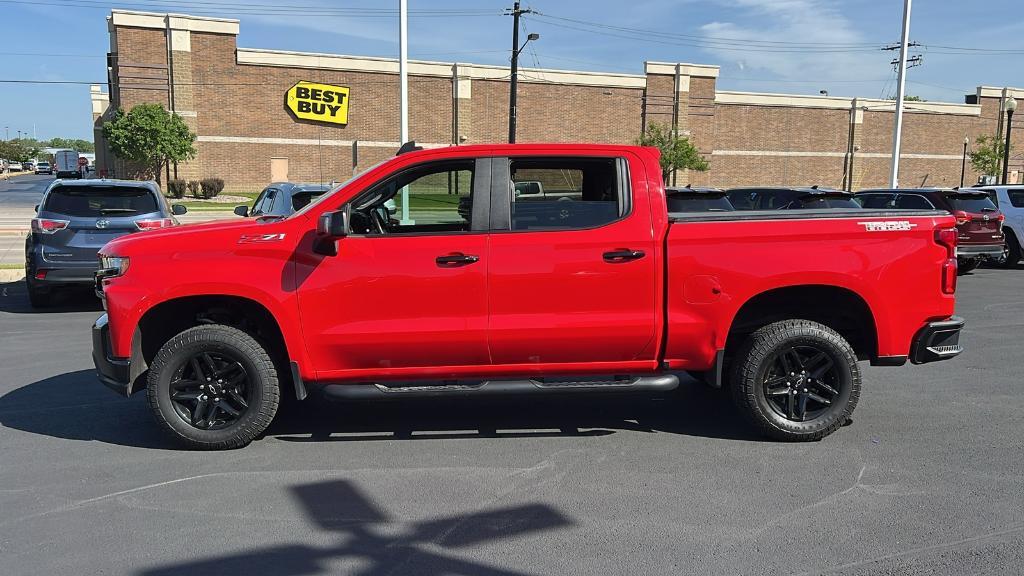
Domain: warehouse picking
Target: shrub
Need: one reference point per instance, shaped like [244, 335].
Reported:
[211, 187]
[193, 188]
[176, 188]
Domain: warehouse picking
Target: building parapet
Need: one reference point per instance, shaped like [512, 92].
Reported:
[841, 103]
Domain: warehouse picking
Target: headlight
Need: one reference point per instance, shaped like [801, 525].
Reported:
[111, 266]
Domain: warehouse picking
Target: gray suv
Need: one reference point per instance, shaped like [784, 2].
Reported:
[76, 218]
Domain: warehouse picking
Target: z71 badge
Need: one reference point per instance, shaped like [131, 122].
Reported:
[888, 226]
[256, 238]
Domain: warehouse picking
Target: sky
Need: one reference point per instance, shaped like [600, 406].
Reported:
[787, 46]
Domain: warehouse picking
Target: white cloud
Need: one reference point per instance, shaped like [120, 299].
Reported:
[792, 21]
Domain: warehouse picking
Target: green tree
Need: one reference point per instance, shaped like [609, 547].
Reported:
[677, 153]
[149, 136]
[987, 157]
[17, 150]
[72, 144]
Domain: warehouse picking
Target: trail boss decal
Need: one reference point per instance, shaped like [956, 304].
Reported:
[888, 226]
[318, 102]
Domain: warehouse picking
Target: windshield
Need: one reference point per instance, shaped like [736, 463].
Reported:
[973, 204]
[326, 195]
[95, 201]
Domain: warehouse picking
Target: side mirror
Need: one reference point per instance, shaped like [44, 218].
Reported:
[37, 208]
[329, 228]
[178, 209]
[242, 211]
[334, 224]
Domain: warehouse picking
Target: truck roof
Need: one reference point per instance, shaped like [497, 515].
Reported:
[526, 148]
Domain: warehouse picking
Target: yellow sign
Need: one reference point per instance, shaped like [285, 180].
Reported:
[318, 102]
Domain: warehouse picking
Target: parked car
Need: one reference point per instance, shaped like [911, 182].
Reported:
[1010, 201]
[282, 199]
[44, 167]
[697, 199]
[978, 220]
[14, 166]
[608, 293]
[29, 166]
[768, 198]
[76, 218]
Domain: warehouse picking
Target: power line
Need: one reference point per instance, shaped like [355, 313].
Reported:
[206, 8]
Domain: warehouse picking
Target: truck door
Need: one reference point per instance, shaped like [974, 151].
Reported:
[572, 279]
[402, 297]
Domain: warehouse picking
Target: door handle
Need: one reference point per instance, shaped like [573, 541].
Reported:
[616, 256]
[454, 260]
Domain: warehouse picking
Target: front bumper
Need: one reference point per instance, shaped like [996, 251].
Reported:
[114, 373]
[979, 251]
[937, 341]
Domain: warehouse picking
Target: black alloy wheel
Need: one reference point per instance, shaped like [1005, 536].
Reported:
[210, 391]
[213, 387]
[795, 380]
[801, 383]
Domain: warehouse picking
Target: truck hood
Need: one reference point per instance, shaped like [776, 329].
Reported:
[188, 236]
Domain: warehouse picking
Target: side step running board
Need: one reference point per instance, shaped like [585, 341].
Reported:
[374, 391]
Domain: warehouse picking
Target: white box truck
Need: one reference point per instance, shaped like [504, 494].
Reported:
[65, 164]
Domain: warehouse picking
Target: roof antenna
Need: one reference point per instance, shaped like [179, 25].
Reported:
[409, 146]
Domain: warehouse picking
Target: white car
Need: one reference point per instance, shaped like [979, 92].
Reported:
[43, 167]
[1010, 200]
[13, 166]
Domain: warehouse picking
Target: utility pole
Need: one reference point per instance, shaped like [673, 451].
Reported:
[514, 78]
[901, 87]
[403, 96]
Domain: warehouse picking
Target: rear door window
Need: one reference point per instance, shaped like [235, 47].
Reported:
[567, 193]
[1016, 198]
[97, 201]
[972, 204]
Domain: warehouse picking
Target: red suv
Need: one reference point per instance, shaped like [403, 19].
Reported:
[979, 222]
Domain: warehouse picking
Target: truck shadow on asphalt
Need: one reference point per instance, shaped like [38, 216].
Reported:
[692, 410]
[14, 299]
[377, 542]
[77, 407]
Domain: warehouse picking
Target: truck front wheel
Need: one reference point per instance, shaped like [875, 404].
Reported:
[796, 380]
[213, 387]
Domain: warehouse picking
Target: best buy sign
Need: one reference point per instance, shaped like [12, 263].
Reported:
[318, 102]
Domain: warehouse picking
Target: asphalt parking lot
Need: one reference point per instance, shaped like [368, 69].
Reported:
[927, 479]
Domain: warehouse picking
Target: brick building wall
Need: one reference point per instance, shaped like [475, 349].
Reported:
[234, 100]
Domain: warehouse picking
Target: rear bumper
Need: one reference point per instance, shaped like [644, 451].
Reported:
[937, 341]
[979, 250]
[114, 373]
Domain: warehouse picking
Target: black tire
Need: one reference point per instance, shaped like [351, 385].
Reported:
[967, 266]
[756, 366]
[1012, 251]
[259, 393]
[36, 296]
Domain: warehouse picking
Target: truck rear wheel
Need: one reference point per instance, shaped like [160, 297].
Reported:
[213, 387]
[796, 380]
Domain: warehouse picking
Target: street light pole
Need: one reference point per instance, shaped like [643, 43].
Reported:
[901, 87]
[403, 95]
[1011, 106]
[963, 162]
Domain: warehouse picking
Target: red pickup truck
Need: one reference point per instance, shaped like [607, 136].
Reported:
[591, 288]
